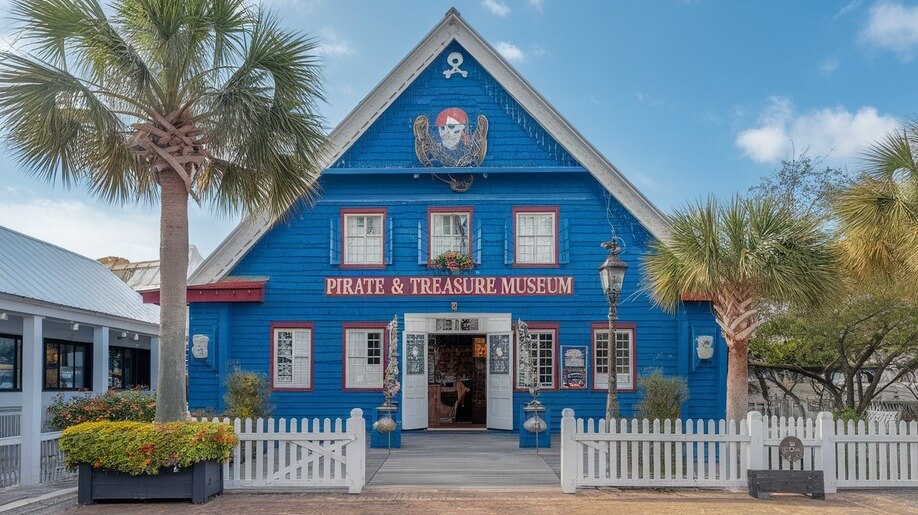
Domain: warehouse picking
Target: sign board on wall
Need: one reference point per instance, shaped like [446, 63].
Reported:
[433, 286]
[573, 367]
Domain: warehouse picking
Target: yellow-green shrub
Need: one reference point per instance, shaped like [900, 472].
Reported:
[144, 448]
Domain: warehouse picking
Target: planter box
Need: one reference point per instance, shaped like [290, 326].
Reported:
[196, 483]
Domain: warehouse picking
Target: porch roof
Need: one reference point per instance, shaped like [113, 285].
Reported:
[35, 270]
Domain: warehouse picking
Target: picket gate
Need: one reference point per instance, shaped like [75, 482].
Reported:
[304, 453]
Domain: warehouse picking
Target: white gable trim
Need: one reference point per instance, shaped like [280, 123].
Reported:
[451, 28]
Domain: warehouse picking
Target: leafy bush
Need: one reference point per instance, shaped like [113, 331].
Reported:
[112, 405]
[247, 395]
[846, 414]
[144, 448]
[662, 396]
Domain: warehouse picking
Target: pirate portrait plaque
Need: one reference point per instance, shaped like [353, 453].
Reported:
[451, 143]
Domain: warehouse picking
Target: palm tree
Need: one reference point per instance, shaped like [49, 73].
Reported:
[878, 214]
[743, 256]
[150, 100]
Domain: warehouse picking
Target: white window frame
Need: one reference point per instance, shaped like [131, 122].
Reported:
[358, 360]
[454, 242]
[534, 239]
[300, 355]
[363, 240]
[536, 333]
[625, 373]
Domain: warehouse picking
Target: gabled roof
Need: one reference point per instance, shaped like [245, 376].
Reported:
[35, 270]
[145, 275]
[451, 28]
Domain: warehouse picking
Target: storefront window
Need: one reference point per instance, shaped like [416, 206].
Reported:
[292, 358]
[67, 365]
[543, 353]
[449, 232]
[363, 239]
[364, 358]
[536, 238]
[10, 362]
[624, 353]
[128, 368]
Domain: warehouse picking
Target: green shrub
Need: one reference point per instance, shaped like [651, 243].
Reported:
[247, 395]
[112, 405]
[144, 448]
[662, 396]
[846, 414]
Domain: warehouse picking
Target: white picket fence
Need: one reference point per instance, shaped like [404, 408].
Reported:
[716, 454]
[298, 453]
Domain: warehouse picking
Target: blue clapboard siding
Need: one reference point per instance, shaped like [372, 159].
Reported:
[298, 253]
[294, 255]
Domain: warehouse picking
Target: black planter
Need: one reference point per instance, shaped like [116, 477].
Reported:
[196, 483]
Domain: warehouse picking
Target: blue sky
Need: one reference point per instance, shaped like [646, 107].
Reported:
[686, 97]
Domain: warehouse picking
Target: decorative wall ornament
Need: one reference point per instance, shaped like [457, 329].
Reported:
[705, 347]
[452, 144]
[454, 59]
[414, 354]
[199, 345]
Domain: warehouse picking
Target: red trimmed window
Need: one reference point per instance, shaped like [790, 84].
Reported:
[625, 356]
[364, 356]
[291, 356]
[449, 230]
[544, 353]
[363, 232]
[536, 236]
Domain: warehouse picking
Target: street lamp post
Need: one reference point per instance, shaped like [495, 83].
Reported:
[612, 275]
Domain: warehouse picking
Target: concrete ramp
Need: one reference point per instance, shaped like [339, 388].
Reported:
[454, 459]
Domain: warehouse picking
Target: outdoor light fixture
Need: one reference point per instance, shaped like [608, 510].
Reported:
[136, 337]
[74, 326]
[612, 276]
[4, 316]
[124, 334]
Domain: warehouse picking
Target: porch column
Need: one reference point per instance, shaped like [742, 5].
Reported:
[32, 408]
[100, 359]
[154, 362]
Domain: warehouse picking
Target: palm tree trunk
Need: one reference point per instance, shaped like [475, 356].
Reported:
[171, 403]
[737, 379]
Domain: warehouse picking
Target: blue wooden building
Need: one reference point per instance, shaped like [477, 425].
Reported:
[458, 200]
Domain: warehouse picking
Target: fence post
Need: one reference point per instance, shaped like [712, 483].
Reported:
[756, 451]
[568, 452]
[355, 459]
[827, 444]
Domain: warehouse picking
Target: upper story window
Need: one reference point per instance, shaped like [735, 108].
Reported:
[449, 231]
[10, 362]
[67, 365]
[623, 358]
[292, 356]
[536, 231]
[364, 357]
[363, 237]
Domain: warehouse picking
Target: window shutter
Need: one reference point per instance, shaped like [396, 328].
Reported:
[508, 243]
[564, 243]
[334, 241]
[476, 243]
[422, 244]
[390, 232]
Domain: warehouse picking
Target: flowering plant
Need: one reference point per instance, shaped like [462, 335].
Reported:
[111, 405]
[453, 261]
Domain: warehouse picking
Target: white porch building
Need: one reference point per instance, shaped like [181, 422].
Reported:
[68, 326]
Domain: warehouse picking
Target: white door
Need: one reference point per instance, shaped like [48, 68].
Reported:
[500, 380]
[414, 385]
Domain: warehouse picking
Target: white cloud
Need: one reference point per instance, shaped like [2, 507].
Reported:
[832, 131]
[828, 66]
[537, 5]
[510, 51]
[86, 229]
[894, 27]
[650, 100]
[497, 7]
[333, 46]
[853, 4]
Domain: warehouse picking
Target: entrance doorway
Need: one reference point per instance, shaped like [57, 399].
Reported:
[457, 381]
